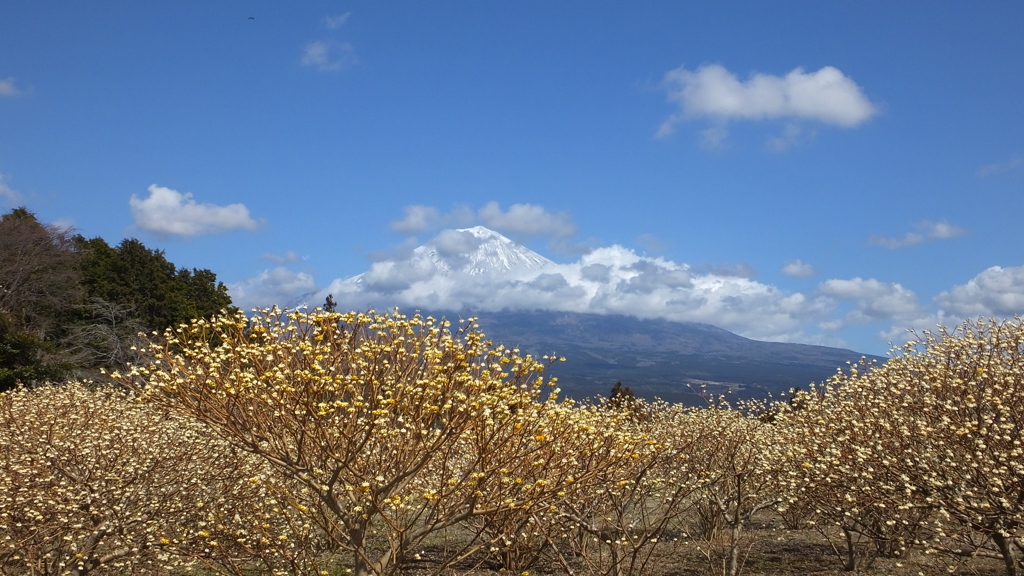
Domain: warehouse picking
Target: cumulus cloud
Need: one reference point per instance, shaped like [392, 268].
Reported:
[873, 300]
[417, 219]
[328, 55]
[8, 88]
[614, 280]
[827, 96]
[451, 273]
[925, 232]
[995, 292]
[335, 22]
[798, 269]
[167, 211]
[519, 220]
[9, 194]
[999, 167]
[456, 242]
[278, 285]
[526, 220]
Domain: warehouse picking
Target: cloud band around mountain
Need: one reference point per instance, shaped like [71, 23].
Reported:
[613, 280]
[449, 274]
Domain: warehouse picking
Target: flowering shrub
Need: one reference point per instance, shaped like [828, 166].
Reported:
[742, 462]
[91, 481]
[925, 449]
[391, 423]
[652, 475]
[268, 444]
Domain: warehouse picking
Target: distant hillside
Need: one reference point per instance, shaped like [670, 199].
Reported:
[658, 357]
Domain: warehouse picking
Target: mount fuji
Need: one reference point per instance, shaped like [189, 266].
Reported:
[476, 251]
[597, 313]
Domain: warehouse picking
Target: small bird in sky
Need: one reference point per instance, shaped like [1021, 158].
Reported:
[252, 17]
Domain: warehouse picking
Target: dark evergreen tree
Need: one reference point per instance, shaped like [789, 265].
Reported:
[25, 359]
[143, 281]
[621, 397]
[70, 303]
[204, 295]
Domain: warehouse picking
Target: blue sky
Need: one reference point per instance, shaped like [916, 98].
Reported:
[814, 172]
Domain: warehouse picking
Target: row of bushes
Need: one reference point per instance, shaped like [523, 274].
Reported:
[295, 443]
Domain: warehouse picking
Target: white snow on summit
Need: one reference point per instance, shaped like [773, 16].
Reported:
[493, 253]
[478, 252]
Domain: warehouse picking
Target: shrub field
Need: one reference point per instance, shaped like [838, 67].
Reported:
[326, 443]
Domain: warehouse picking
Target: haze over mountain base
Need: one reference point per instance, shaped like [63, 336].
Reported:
[660, 358]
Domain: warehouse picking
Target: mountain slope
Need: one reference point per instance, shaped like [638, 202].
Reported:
[658, 357]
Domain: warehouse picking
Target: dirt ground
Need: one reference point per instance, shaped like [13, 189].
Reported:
[769, 551]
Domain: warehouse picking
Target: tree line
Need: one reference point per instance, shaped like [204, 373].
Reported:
[70, 305]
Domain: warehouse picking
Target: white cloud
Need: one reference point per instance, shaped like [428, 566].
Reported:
[995, 292]
[798, 269]
[278, 285]
[6, 192]
[335, 22]
[520, 220]
[926, 231]
[618, 280]
[168, 211]
[990, 169]
[286, 258]
[826, 96]
[456, 242]
[526, 220]
[873, 300]
[328, 55]
[417, 219]
[8, 88]
[612, 280]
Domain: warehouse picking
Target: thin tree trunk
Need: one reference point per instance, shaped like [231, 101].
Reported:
[851, 551]
[734, 548]
[1006, 550]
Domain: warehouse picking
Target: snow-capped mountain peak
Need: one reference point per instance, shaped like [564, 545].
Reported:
[479, 251]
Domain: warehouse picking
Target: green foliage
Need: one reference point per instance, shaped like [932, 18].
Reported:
[71, 303]
[159, 294]
[21, 357]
